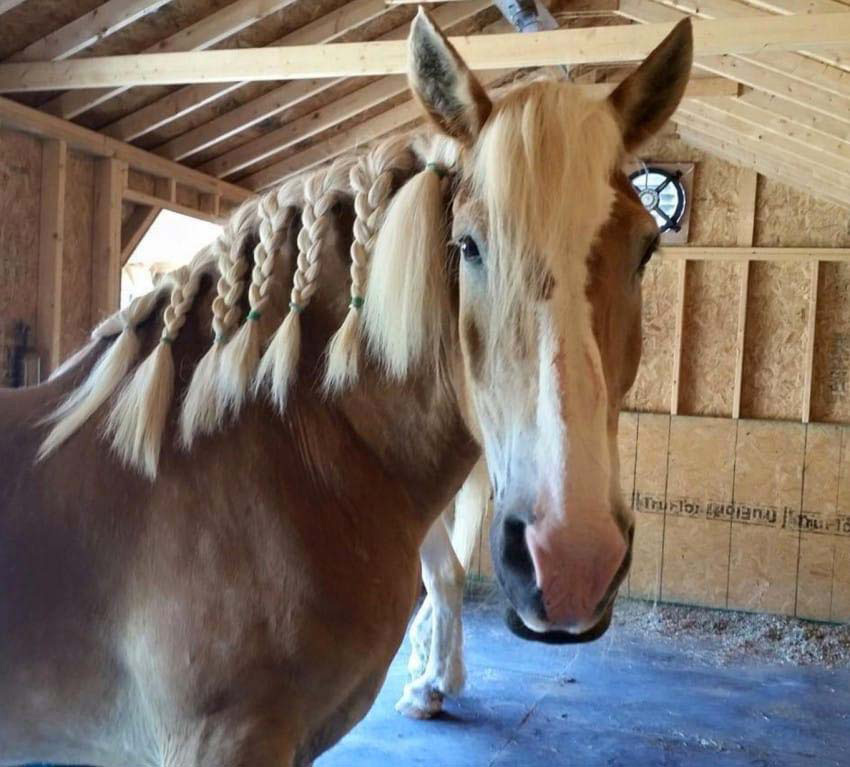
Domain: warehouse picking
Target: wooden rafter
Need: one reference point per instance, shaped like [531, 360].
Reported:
[405, 114]
[565, 46]
[795, 114]
[720, 9]
[290, 94]
[738, 152]
[833, 158]
[203, 34]
[750, 72]
[373, 95]
[48, 333]
[182, 102]
[85, 31]
[828, 181]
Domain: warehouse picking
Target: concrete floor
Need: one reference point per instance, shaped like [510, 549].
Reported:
[620, 702]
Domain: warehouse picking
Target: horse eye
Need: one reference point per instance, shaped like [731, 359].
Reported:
[469, 249]
[648, 253]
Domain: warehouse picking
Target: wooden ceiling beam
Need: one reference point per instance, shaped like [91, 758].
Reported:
[830, 167]
[727, 9]
[791, 7]
[830, 150]
[786, 255]
[750, 73]
[798, 115]
[19, 117]
[202, 34]
[563, 46]
[396, 118]
[325, 29]
[768, 167]
[374, 95]
[812, 179]
[261, 149]
[406, 114]
[288, 95]
[85, 31]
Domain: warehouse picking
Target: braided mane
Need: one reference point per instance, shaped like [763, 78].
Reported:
[242, 359]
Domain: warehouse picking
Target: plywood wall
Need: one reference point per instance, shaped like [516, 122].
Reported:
[20, 197]
[20, 208]
[777, 312]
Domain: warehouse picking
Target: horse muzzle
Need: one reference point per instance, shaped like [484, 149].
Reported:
[517, 627]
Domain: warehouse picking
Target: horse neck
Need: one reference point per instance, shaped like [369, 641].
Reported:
[413, 428]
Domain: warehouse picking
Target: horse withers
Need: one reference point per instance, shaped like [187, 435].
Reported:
[208, 549]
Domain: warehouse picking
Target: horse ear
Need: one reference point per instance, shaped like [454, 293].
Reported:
[646, 99]
[442, 82]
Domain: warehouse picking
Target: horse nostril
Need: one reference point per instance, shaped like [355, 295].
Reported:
[515, 554]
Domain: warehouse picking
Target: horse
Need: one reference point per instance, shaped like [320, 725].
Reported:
[210, 515]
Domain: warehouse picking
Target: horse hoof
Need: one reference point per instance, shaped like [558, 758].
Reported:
[420, 703]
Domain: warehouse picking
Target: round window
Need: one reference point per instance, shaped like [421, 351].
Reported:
[662, 194]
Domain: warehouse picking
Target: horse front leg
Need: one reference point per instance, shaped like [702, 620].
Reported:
[420, 637]
[438, 652]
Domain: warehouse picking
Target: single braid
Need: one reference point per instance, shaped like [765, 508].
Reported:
[280, 361]
[203, 405]
[372, 184]
[241, 355]
[137, 421]
[182, 296]
[232, 266]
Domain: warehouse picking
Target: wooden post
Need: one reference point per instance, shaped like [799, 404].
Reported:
[52, 225]
[110, 180]
[136, 227]
[166, 188]
[677, 337]
[809, 357]
[747, 184]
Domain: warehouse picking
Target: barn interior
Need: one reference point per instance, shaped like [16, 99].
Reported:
[735, 438]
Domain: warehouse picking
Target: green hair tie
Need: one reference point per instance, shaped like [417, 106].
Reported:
[441, 172]
[295, 307]
[356, 302]
[167, 340]
[254, 315]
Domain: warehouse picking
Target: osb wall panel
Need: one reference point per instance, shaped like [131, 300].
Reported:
[765, 545]
[777, 307]
[840, 597]
[77, 254]
[651, 390]
[819, 521]
[749, 515]
[831, 381]
[709, 334]
[648, 502]
[777, 313]
[20, 202]
[696, 533]
[789, 218]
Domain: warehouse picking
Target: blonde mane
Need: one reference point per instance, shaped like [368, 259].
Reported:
[550, 202]
[398, 298]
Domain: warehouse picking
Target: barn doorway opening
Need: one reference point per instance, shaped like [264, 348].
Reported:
[171, 241]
